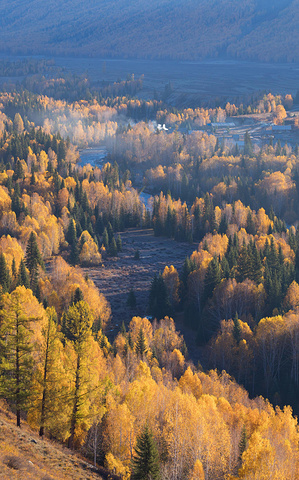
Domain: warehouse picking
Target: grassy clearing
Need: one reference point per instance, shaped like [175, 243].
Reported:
[125, 272]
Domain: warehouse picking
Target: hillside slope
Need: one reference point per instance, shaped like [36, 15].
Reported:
[24, 455]
[191, 29]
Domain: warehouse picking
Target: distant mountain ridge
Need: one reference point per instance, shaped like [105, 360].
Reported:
[175, 29]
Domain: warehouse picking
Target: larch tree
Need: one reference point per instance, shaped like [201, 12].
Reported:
[197, 472]
[171, 279]
[17, 343]
[77, 324]
[18, 124]
[49, 372]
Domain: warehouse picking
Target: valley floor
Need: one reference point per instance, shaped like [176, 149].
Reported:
[120, 274]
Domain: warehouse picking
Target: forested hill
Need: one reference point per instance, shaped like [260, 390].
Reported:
[264, 30]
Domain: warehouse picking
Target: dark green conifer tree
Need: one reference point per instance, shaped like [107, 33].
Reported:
[237, 329]
[244, 265]
[146, 463]
[130, 341]
[16, 204]
[266, 249]
[158, 298]
[71, 234]
[71, 237]
[140, 345]
[32, 179]
[110, 232]
[169, 223]
[33, 256]
[137, 255]
[113, 248]
[78, 296]
[131, 300]
[119, 243]
[256, 274]
[212, 278]
[19, 171]
[33, 260]
[105, 239]
[250, 227]
[14, 268]
[278, 148]
[5, 279]
[225, 268]
[23, 278]
[248, 149]
[188, 266]
[223, 224]
[272, 257]
[242, 444]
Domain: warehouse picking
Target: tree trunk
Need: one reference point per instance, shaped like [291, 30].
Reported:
[18, 375]
[43, 410]
[76, 404]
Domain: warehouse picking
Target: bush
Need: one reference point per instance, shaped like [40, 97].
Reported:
[11, 461]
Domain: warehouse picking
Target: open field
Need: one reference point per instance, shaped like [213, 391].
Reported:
[192, 83]
[121, 274]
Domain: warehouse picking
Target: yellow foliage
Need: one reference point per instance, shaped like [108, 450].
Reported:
[143, 370]
[89, 254]
[217, 244]
[291, 300]
[197, 472]
[115, 466]
[134, 327]
[171, 279]
[165, 340]
[11, 249]
[5, 201]
[190, 383]
[177, 362]
[120, 432]
[66, 279]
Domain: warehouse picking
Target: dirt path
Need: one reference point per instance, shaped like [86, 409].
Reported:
[121, 274]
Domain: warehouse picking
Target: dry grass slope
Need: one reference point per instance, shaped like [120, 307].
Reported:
[24, 456]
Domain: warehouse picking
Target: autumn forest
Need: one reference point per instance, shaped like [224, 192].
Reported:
[134, 397]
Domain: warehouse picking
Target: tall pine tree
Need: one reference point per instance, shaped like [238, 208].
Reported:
[145, 463]
[77, 326]
[16, 350]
